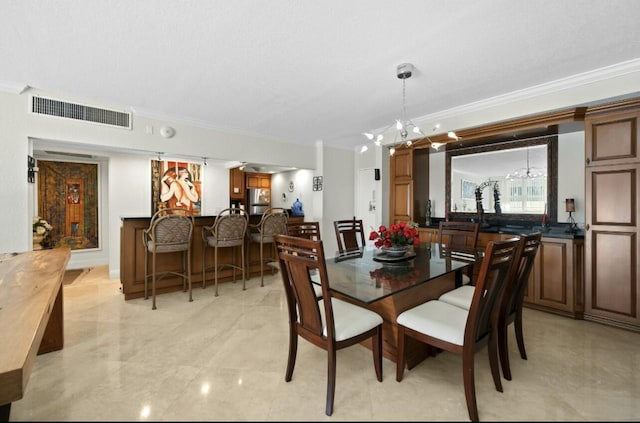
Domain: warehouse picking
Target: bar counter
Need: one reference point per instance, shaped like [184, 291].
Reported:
[132, 253]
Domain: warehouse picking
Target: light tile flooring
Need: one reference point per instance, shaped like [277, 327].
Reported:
[224, 358]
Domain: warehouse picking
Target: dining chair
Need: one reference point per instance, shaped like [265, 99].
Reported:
[329, 323]
[170, 230]
[228, 231]
[349, 234]
[273, 222]
[511, 303]
[309, 230]
[461, 237]
[465, 332]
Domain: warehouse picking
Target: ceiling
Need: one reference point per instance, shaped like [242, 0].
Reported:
[306, 71]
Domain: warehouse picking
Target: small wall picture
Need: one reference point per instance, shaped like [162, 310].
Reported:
[317, 183]
[468, 189]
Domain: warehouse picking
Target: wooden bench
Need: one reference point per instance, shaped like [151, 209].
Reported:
[31, 320]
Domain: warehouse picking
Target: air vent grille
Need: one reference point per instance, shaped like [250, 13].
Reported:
[51, 107]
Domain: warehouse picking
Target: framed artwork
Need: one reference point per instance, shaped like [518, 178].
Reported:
[176, 184]
[317, 183]
[468, 189]
[68, 201]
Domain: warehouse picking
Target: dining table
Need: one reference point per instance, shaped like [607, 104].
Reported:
[390, 285]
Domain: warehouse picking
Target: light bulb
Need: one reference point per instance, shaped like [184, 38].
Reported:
[417, 130]
[409, 143]
[363, 149]
[452, 135]
[392, 151]
[379, 138]
[369, 135]
[399, 125]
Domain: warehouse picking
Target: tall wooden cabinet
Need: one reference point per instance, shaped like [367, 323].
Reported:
[236, 184]
[612, 217]
[408, 185]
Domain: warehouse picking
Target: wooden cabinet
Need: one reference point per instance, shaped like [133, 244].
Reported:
[236, 184]
[258, 180]
[409, 185]
[556, 282]
[612, 218]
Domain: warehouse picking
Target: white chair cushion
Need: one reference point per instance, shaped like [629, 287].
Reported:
[465, 279]
[437, 319]
[459, 297]
[349, 320]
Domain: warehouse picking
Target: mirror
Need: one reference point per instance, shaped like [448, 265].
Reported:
[508, 181]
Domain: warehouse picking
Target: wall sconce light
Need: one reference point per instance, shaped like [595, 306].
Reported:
[31, 169]
[570, 207]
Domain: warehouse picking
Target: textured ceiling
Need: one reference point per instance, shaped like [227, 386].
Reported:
[305, 71]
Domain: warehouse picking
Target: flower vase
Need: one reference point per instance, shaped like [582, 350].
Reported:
[396, 250]
[37, 239]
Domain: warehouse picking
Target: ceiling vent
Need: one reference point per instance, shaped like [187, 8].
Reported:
[51, 107]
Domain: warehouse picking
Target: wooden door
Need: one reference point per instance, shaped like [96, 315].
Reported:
[612, 241]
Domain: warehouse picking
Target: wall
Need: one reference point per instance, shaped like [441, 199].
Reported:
[127, 155]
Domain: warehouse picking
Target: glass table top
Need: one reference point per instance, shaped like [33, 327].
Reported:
[368, 276]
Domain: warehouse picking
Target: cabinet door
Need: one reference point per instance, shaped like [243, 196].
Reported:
[554, 285]
[401, 201]
[236, 183]
[265, 181]
[428, 235]
[612, 262]
[401, 166]
[252, 181]
[612, 139]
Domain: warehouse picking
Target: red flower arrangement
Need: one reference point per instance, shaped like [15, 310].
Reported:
[402, 233]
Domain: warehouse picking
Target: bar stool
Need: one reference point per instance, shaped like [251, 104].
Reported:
[170, 231]
[228, 231]
[273, 222]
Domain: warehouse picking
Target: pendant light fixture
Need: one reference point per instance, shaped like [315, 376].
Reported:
[403, 125]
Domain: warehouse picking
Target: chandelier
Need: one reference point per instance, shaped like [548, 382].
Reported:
[527, 172]
[403, 125]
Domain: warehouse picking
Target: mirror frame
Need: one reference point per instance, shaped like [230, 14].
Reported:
[551, 142]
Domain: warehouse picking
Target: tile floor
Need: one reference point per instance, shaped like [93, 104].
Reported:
[224, 358]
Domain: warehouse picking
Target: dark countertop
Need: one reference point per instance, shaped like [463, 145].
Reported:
[554, 230]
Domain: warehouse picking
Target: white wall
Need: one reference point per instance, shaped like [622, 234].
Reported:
[571, 174]
[339, 194]
[303, 189]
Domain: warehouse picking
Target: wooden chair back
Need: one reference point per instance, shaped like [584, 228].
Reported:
[308, 230]
[349, 234]
[458, 235]
[512, 301]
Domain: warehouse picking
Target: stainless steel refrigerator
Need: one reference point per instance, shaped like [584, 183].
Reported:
[259, 200]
